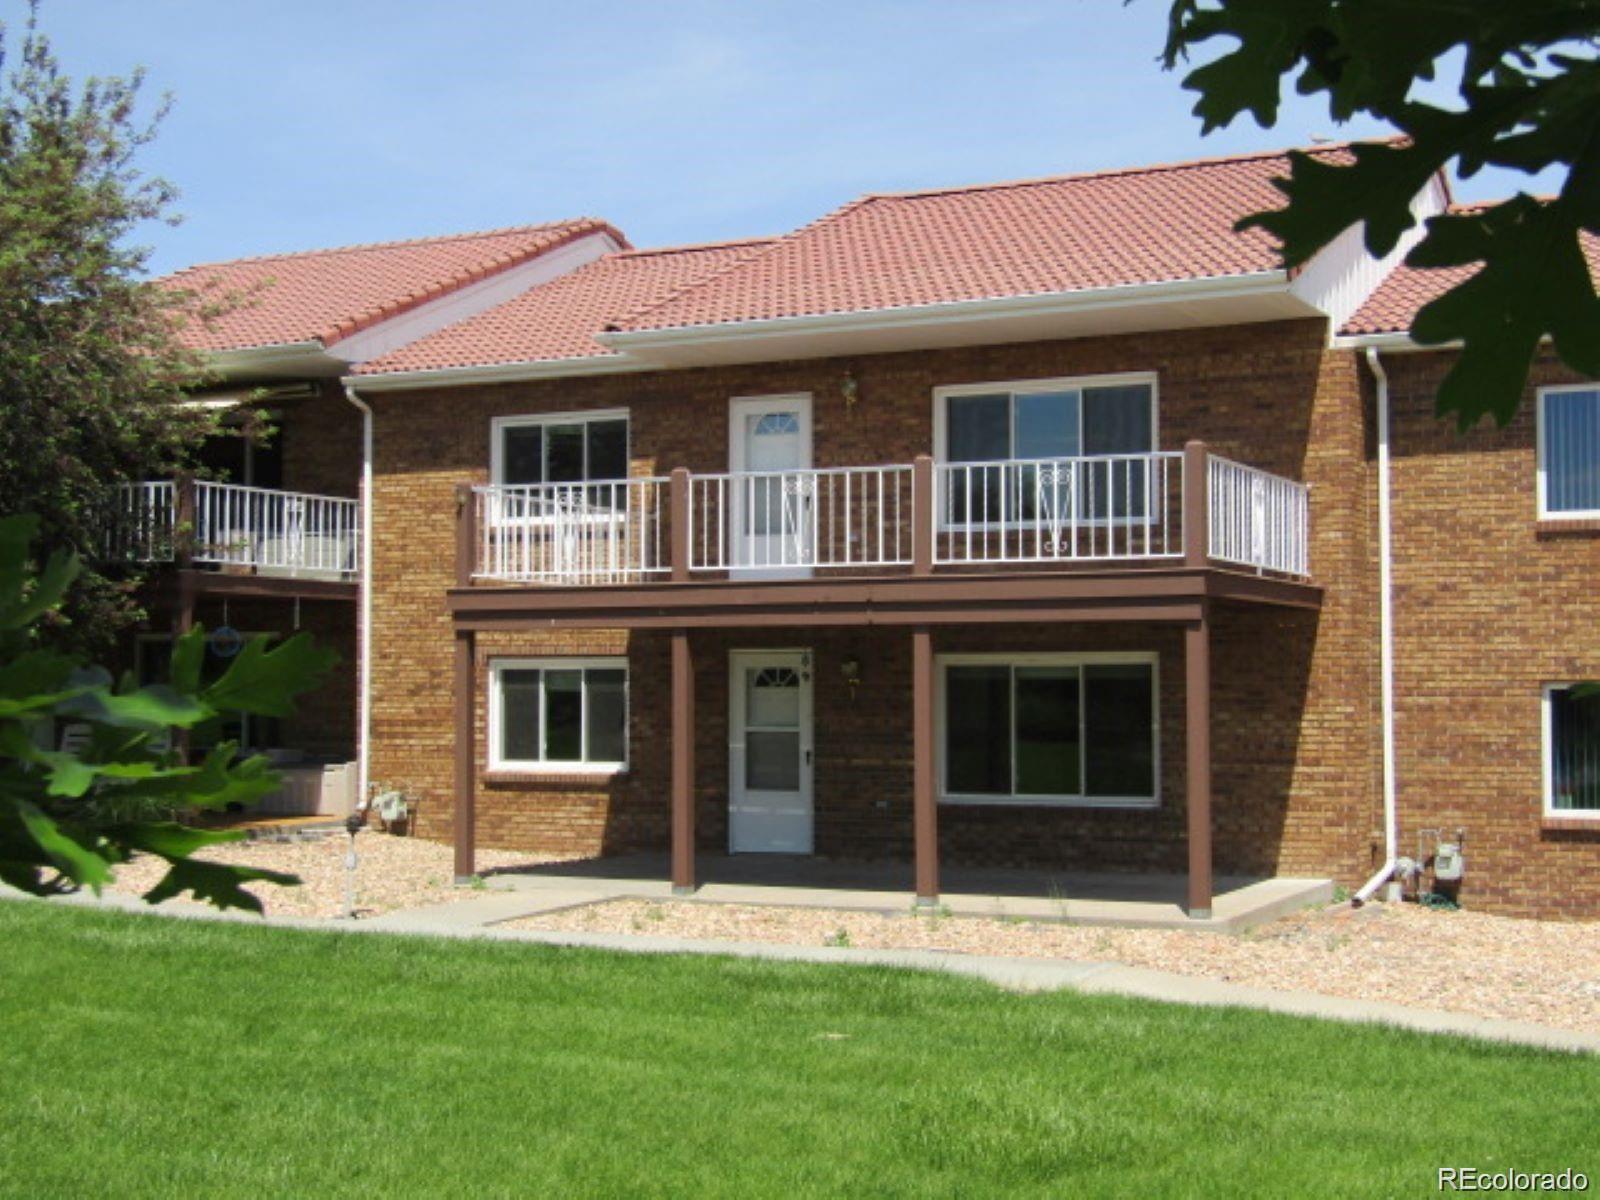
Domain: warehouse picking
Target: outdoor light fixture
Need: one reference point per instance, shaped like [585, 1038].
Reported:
[850, 668]
[849, 388]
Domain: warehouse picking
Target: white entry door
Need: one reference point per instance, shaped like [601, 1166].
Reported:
[769, 453]
[769, 752]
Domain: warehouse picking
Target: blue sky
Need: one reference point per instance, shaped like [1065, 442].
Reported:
[300, 125]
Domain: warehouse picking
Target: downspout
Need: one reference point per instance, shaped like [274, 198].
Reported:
[1391, 825]
[364, 621]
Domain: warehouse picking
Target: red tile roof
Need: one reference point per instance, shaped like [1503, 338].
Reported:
[1397, 300]
[1076, 232]
[325, 295]
[558, 320]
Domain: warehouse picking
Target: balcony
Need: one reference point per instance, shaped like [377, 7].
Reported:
[231, 530]
[972, 532]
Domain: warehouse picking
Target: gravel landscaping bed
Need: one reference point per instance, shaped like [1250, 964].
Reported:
[392, 872]
[1540, 971]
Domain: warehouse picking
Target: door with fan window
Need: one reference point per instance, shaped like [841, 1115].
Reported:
[769, 752]
[769, 455]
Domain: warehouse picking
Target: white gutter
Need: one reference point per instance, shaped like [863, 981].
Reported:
[1399, 342]
[1391, 820]
[364, 621]
[512, 372]
[1256, 283]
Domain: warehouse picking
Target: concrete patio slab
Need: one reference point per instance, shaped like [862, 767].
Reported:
[1149, 901]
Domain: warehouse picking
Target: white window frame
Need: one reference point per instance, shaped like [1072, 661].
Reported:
[1024, 386]
[499, 425]
[1019, 387]
[1542, 488]
[941, 665]
[1547, 758]
[496, 729]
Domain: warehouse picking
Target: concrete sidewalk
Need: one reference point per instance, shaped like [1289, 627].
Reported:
[479, 918]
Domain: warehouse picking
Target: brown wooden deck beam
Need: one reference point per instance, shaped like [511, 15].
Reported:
[1167, 594]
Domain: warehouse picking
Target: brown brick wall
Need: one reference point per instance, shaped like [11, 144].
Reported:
[1295, 744]
[1488, 608]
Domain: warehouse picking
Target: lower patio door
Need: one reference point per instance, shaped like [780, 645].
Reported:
[769, 752]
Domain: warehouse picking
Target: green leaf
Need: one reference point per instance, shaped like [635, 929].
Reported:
[218, 883]
[1534, 281]
[16, 537]
[150, 707]
[215, 782]
[79, 863]
[1326, 198]
[36, 679]
[188, 658]
[1270, 36]
[168, 839]
[48, 591]
[264, 681]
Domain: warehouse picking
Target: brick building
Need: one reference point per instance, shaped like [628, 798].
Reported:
[1034, 524]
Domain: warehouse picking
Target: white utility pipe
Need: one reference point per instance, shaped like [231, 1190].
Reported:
[1391, 820]
[364, 632]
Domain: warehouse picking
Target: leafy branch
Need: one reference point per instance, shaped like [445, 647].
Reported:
[68, 817]
[1527, 78]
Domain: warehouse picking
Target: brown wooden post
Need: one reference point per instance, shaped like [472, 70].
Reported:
[466, 817]
[1197, 744]
[683, 872]
[679, 507]
[182, 622]
[924, 807]
[466, 534]
[1196, 506]
[922, 515]
[183, 523]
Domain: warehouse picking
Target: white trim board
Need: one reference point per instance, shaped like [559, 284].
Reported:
[1541, 476]
[494, 733]
[1546, 764]
[941, 664]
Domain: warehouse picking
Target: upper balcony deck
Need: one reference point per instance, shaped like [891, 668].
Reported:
[901, 539]
[284, 542]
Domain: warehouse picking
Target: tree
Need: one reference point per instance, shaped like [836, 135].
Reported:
[69, 816]
[1529, 99]
[90, 369]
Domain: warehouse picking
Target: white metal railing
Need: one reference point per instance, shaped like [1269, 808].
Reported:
[274, 532]
[291, 532]
[1257, 519]
[1079, 509]
[577, 533]
[141, 522]
[803, 519]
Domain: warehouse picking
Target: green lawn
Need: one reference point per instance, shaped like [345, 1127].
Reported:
[150, 1057]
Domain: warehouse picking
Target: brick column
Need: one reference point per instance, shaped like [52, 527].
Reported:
[683, 872]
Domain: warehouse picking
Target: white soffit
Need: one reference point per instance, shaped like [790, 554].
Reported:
[1340, 277]
[462, 303]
